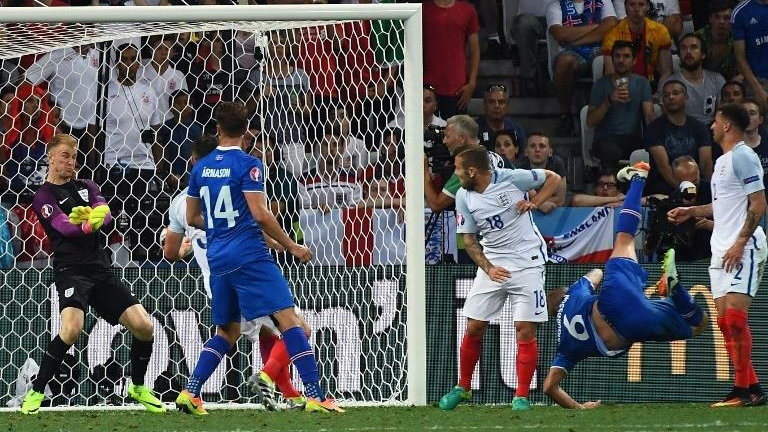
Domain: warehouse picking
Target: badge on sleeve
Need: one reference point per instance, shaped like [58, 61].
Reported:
[46, 211]
[255, 174]
[459, 219]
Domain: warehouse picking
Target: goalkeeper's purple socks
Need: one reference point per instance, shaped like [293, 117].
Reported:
[630, 215]
[212, 354]
[303, 358]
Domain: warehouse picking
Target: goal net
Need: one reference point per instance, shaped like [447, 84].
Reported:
[329, 91]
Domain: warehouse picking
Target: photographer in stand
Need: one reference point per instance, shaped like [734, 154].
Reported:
[440, 145]
[691, 238]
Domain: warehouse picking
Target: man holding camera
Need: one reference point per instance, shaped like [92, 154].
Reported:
[738, 246]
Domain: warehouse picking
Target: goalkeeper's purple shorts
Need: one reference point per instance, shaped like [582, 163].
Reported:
[255, 290]
[635, 317]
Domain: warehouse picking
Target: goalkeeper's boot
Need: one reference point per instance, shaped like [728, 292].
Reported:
[266, 387]
[296, 402]
[639, 169]
[735, 398]
[316, 405]
[32, 402]
[454, 397]
[521, 403]
[190, 404]
[145, 396]
[669, 280]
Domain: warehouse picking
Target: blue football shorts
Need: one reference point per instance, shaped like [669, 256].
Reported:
[635, 317]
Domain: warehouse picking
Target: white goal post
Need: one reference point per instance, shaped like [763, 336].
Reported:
[104, 24]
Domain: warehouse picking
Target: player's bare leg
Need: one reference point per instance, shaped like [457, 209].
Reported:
[136, 320]
[72, 320]
[469, 354]
[527, 358]
[302, 356]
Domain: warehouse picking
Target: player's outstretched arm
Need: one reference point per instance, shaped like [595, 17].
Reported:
[175, 245]
[679, 215]
[257, 204]
[553, 390]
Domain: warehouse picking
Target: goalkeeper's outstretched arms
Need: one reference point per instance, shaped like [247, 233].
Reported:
[552, 389]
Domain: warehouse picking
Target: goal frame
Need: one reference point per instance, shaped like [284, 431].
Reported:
[411, 15]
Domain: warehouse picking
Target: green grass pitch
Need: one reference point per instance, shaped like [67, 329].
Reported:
[629, 418]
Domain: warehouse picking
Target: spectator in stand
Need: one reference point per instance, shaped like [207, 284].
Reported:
[618, 104]
[161, 76]
[245, 54]
[429, 107]
[132, 152]
[318, 57]
[606, 192]
[451, 26]
[213, 80]
[27, 140]
[579, 26]
[539, 154]
[755, 135]
[356, 153]
[496, 103]
[71, 74]
[507, 146]
[651, 40]
[356, 62]
[665, 12]
[718, 40]
[675, 134]
[329, 185]
[529, 27]
[703, 85]
[179, 134]
[732, 92]
[390, 165]
[749, 47]
[7, 94]
[488, 13]
[184, 56]
[284, 93]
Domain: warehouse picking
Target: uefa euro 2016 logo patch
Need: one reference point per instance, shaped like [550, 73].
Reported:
[255, 174]
[46, 211]
[459, 219]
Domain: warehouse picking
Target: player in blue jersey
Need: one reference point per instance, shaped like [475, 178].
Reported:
[226, 198]
[608, 323]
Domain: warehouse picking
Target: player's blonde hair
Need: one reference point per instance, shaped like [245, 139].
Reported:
[60, 140]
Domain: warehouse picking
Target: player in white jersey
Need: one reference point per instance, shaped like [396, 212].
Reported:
[494, 203]
[179, 239]
[738, 245]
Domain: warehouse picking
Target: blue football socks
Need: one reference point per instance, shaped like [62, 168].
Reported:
[212, 354]
[685, 306]
[630, 215]
[303, 358]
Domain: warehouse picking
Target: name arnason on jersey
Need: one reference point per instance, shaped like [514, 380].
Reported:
[216, 172]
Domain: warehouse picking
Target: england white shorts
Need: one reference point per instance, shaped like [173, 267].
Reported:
[744, 279]
[525, 290]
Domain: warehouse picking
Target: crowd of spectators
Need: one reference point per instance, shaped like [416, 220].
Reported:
[326, 101]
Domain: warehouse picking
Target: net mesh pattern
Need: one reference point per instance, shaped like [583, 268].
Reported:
[324, 102]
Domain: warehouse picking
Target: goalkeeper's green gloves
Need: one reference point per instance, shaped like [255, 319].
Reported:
[96, 218]
[78, 215]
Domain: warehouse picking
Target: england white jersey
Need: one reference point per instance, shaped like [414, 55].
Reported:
[177, 213]
[737, 174]
[163, 85]
[510, 239]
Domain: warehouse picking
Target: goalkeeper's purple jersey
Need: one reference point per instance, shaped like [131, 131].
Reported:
[577, 338]
[220, 180]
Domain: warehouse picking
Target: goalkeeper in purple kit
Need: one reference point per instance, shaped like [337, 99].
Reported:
[72, 213]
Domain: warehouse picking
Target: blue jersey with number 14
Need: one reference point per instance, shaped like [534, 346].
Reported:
[220, 180]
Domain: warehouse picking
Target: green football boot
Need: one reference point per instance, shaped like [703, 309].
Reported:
[145, 396]
[32, 401]
[521, 403]
[454, 397]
